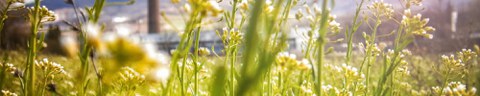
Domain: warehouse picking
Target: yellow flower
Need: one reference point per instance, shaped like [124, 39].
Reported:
[50, 68]
[416, 25]
[466, 55]
[413, 2]
[351, 72]
[304, 65]
[381, 9]
[233, 37]
[143, 58]
[334, 26]
[162, 74]
[268, 9]
[244, 5]
[8, 93]
[44, 14]
[404, 70]
[203, 51]
[128, 74]
[128, 79]
[9, 67]
[92, 32]
[373, 48]
[187, 8]
[451, 62]
[285, 59]
[213, 7]
[456, 89]
[125, 53]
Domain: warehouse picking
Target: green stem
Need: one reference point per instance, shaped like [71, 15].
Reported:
[299, 83]
[280, 82]
[32, 52]
[321, 42]
[445, 82]
[269, 85]
[184, 63]
[251, 37]
[195, 59]
[84, 65]
[230, 50]
[352, 32]
[182, 48]
[232, 69]
[98, 6]
[44, 83]
[233, 14]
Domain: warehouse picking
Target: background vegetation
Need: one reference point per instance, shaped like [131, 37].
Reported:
[255, 59]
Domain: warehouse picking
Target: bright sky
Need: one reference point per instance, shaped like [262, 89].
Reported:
[28, 1]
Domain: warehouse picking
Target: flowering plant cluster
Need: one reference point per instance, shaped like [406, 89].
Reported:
[254, 58]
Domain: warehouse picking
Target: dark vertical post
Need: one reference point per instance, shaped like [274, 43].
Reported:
[153, 16]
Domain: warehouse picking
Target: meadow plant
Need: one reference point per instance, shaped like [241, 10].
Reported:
[37, 16]
[7, 69]
[255, 58]
[455, 67]
[128, 80]
[455, 89]
[8, 93]
[49, 70]
[350, 32]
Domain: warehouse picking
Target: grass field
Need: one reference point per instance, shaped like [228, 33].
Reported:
[255, 61]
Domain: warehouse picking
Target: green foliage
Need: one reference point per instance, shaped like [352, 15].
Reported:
[256, 60]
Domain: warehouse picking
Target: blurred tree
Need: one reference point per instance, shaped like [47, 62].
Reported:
[16, 30]
[53, 41]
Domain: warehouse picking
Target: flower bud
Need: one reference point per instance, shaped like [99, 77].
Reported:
[16, 5]
[203, 51]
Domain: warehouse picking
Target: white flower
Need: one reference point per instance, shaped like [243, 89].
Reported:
[50, 16]
[473, 90]
[162, 74]
[286, 54]
[327, 87]
[16, 5]
[407, 13]
[187, 8]
[214, 5]
[269, 9]
[305, 64]
[122, 31]
[152, 51]
[92, 30]
[244, 5]
[334, 23]
[268, 2]
[8, 93]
